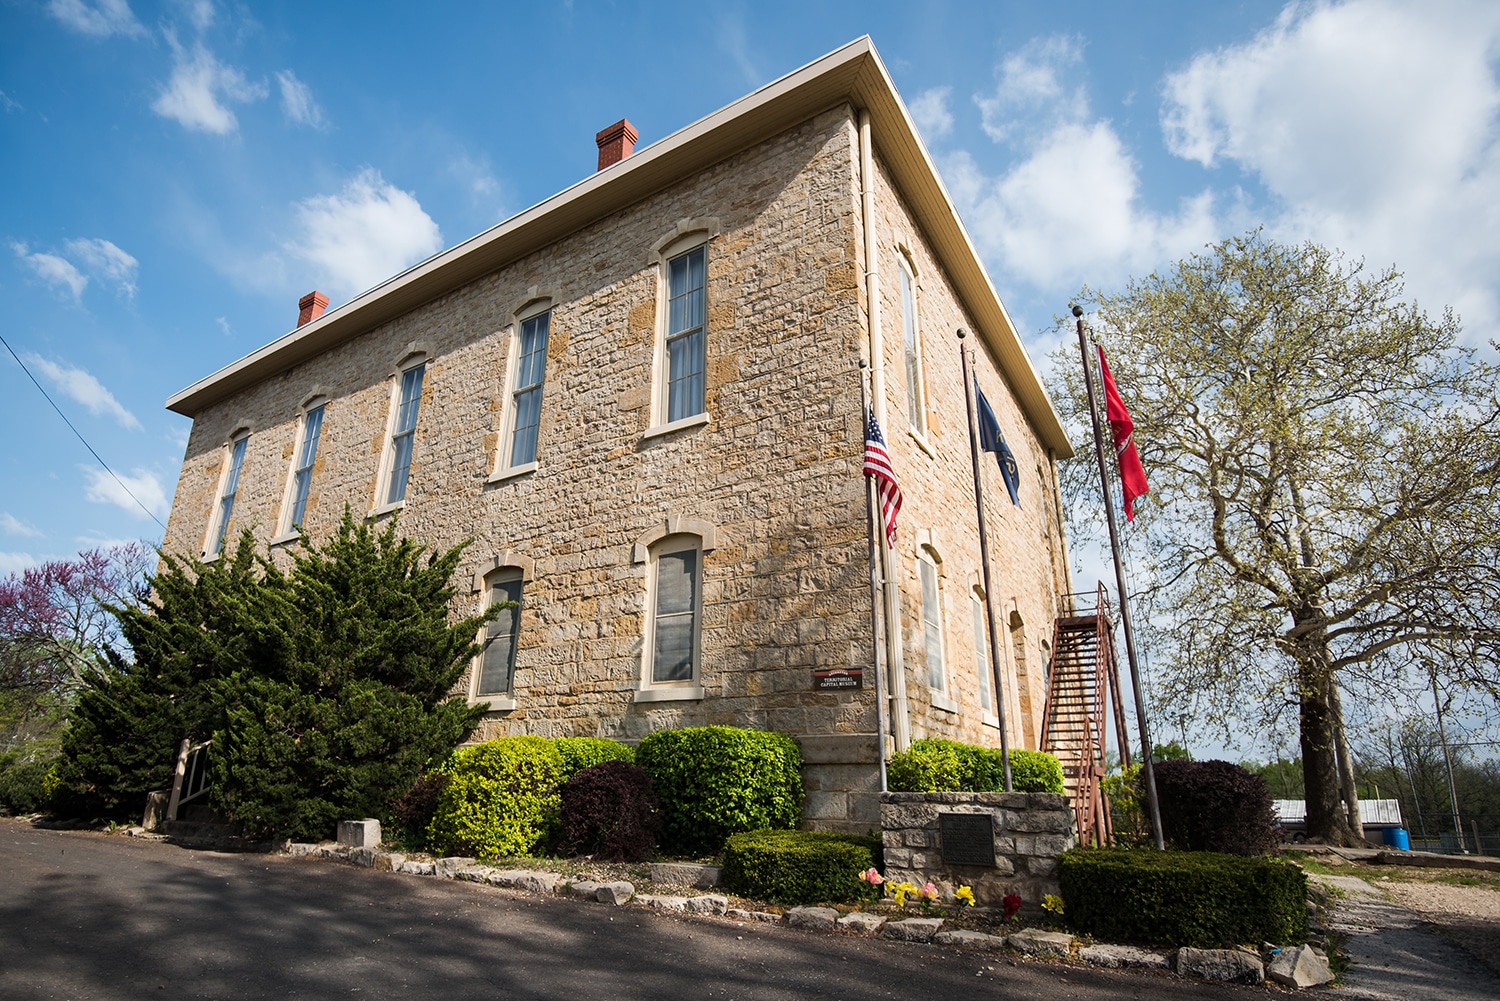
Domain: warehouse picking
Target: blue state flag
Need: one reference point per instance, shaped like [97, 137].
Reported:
[992, 439]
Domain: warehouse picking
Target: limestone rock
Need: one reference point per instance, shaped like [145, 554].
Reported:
[299, 849]
[585, 888]
[666, 903]
[1299, 967]
[702, 877]
[765, 917]
[446, 867]
[912, 929]
[362, 856]
[1036, 942]
[861, 921]
[359, 833]
[389, 861]
[1114, 957]
[812, 917]
[523, 879]
[418, 868]
[973, 939]
[1228, 965]
[708, 903]
[614, 893]
[474, 873]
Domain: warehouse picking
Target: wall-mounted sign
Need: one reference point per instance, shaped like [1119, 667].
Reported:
[967, 838]
[838, 679]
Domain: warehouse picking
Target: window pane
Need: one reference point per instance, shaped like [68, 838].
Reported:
[915, 409]
[533, 351]
[676, 611]
[400, 465]
[981, 658]
[932, 632]
[312, 430]
[528, 414]
[411, 399]
[497, 674]
[673, 657]
[686, 306]
[676, 580]
[226, 500]
[299, 497]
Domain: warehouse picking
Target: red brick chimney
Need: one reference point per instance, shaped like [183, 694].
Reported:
[615, 143]
[312, 306]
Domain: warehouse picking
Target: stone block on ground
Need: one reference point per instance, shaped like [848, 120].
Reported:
[1300, 966]
[446, 867]
[1226, 965]
[474, 873]
[1036, 942]
[363, 857]
[340, 852]
[389, 861]
[616, 893]
[418, 868]
[1114, 957]
[764, 917]
[861, 921]
[702, 877]
[812, 917]
[298, 849]
[359, 833]
[973, 939]
[708, 903]
[585, 888]
[912, 929]
[664, 902]
[523, 879]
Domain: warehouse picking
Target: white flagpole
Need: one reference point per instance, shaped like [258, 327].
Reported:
[876, 533]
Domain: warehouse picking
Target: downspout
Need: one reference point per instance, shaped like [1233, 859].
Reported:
[900, 715]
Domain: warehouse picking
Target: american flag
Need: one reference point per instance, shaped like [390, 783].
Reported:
[878, 465]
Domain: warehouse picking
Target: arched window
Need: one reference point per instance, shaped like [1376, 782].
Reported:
[671, 652]
[304, 458]
[229, 486]
[681, 365]
[493, 678]
[406, 403]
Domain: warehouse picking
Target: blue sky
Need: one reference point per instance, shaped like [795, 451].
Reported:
[177, 174]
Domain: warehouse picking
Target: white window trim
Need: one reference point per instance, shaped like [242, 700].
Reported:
[506, 561]
[416, 354]
[537, 301]
[929, 554]
[676, 534]
[242, 430]
[908, 267]
[285, 532]
[982, 663]
[688, 235]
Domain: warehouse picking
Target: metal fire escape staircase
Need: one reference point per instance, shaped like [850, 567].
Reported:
[1082, 677]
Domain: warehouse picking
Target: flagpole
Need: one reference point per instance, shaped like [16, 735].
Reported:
[871, 527]
[1114, 546]
[984, 559]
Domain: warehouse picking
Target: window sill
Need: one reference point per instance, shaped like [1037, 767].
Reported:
[683, 693]
[385, 509]
[493, 703]
[922, 442]
[512, 472]
[211, 559]
[284, 539]
[993, 721]
[696, 420]
[941, 701]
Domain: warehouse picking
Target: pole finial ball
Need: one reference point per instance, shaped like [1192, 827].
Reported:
[962, 333]
[1077, 309]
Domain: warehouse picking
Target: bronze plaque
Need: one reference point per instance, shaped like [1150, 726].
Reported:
[968, 838]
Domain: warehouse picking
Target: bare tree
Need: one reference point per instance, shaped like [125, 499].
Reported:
[1324, 461]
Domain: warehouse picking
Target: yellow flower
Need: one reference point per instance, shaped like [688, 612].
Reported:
[1052, 903]
[965, 894]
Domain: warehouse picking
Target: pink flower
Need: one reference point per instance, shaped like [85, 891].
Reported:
[929, 891]
[872, 877]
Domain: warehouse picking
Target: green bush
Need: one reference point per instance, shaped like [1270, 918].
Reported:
[579, 753]
[799, 867]
[714, 781]
[937, 765]
[1201, 899]
[501, 798]
[21, 786]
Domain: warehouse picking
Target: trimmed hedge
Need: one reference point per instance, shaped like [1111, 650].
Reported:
[1215, 806]
[21, 786]
[579, 753]
[937, 765]
[714, 781]
[501, 798]
[610, 811]
[1201, 899]
[799, 867]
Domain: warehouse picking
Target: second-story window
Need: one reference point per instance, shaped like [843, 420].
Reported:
[312, 430]
[226, 496]
[526, 397]
[404, 432]
[916, 401]
[687, 282]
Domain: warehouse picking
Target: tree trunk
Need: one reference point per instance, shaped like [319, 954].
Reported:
[1327, 821]
[1350, 790]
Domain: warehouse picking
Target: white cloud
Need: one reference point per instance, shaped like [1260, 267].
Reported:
[1069, 209]
[297, 101]
[144, 484]
[8, 104]
[16, 562]
[1373, 125]
[475, 175]
[12, 525]
[368, 232]
[201, 13]
[53, 270]
[224, 326]
[107, 260]
[199, 86]
[101, 18]
[85, 389]
[930, 110]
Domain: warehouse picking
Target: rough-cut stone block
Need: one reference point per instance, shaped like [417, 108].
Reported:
[359, 833]
[912, 929]
[524, 879]
[616, 893]
[764, 917]
[446, 867]
[861, 921]
[973, 939]
[474, 874]
[1299, 967]
[585, 888]
[419, 868]
[389, 861]
[1036, 942]
[1227, 965]
[1115, 957]
[702, 877]
[362, 857]
[664, 902]
[812, 917]
[708, 903]
[298, 849]
[1051, 845]
[897, 857]
[340, 852]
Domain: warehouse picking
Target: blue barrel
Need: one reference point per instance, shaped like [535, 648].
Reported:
[1398, 839]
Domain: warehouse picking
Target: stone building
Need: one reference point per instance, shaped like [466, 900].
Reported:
[642, 399]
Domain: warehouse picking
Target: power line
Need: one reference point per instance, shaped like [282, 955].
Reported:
[81, 438]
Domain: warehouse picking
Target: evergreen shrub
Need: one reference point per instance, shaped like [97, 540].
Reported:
[1201, 899]
[1215, 806]
[933, 764]
[579, 753]
[501, 798]
[800, 867]
[714, 781]
[609, 811]
[21, 786]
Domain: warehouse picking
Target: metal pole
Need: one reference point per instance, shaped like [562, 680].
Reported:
[1437, 705]
[984, 561]
[1114, 547]
[871, 527]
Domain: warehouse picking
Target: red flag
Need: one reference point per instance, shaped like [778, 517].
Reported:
[1132, 474]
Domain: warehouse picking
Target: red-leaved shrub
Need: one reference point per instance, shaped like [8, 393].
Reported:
[610, 811]
[1215, 806]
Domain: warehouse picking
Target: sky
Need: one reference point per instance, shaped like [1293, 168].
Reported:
[177, 174]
